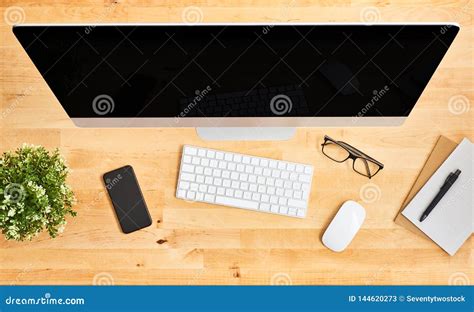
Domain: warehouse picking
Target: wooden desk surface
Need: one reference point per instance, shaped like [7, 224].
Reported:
[195, 243]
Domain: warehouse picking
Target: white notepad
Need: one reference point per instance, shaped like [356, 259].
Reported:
[451, 222]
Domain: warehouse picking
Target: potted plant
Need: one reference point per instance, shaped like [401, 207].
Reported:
[34, 195]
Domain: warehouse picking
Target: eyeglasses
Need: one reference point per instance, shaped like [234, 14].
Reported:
[361, 163]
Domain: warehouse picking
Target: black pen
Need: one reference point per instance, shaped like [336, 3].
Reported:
[452, 177]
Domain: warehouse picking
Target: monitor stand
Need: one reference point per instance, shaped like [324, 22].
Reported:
[246, 133]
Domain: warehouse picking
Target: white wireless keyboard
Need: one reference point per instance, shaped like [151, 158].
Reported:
[243, 181]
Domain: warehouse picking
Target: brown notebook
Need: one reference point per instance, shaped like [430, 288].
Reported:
[443, 148]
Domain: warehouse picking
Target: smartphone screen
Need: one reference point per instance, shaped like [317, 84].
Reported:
[127, 199]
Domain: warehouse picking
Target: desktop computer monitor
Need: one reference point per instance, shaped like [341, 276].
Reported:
[237, 81]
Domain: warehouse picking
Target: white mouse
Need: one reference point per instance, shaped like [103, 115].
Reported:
[344, 226]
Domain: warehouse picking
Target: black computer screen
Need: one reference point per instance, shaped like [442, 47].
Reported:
[236, 70]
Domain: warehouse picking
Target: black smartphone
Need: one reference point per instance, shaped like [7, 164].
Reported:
[127, 199]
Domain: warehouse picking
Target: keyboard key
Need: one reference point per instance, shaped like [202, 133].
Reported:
[190, 195]
[264, 162]
[308, 170]
[199, 170]
[246, 160]
[243, 177]
[211, 189]
[301, 213]
[284, 210]
[219, 155]
[228, 156]
[281, 166]
[272, 164]
[238, 193]
[253, 187]
[291, 167]
[190, 150]
[255, 161]
[252, 178]
[299, 168]
[220, 191]
[247, 195]
[200, 196]
[181, 194]
[207, 171]
[226, 183]
[196, 160]
[304, 178]
[211, 154]
[296, 203]
[236, 202]
[200, 179]
[209, 198]
[292, 211]
[188, 176]
[274, 208]
[201, 153]
[297, 194]
[264, 207]
[229, 192]
[187, 159]
[184, 185]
